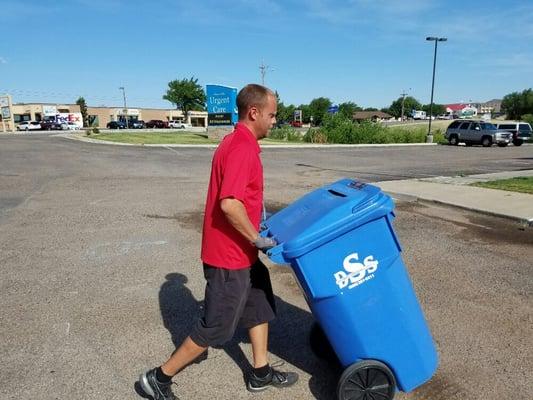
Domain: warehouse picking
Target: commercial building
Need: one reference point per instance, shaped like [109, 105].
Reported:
[98, 117]
[375, 116]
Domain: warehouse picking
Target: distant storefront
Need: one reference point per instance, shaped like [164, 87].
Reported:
[99, 117]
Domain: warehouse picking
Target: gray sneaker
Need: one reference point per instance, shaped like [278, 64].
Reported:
[274, 378]
[154, 388]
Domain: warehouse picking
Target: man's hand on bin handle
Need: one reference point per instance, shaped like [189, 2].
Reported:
[264, 243]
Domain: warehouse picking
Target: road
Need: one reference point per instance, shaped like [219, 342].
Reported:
[101, 278]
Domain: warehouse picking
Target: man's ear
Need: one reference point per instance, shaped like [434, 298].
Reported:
[252, 113]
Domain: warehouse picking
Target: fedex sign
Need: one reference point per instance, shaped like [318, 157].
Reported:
[70, 117]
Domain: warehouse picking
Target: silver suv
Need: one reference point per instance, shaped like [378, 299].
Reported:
[521, 131]
[476, 132]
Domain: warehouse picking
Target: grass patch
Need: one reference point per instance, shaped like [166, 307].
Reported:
[519, 184]
[269, 140]
[155, 138]
[441, 124]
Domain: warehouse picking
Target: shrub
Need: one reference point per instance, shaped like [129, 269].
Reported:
[438, 137]
[285, 133]
[339, 129]
[314, 135]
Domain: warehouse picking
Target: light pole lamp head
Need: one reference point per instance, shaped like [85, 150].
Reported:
[443, 39]
[432, 38]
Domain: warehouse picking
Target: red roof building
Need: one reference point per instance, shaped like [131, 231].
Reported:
[455, 107]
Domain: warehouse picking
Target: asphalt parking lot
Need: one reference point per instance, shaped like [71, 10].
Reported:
[101, 277]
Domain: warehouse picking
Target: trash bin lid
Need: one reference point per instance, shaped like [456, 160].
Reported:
[323, 215]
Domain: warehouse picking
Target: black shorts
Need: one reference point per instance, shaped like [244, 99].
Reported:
[233, 298]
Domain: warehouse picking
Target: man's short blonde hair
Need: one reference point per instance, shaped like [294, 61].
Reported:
[252, 95]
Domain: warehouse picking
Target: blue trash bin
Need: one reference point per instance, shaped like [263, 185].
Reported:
[341, 245]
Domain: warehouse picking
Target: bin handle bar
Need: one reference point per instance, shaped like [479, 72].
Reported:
[335, 193]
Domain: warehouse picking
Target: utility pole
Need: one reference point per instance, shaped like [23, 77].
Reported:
[125, 107]
[264, 68]
[403, 101]
[429, 137]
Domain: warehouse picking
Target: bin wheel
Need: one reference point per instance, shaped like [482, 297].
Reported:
[366, 380]
[321, 345]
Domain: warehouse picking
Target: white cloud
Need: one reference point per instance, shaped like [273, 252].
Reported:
[3, 60]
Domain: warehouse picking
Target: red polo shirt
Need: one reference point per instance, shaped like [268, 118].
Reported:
[236, 172]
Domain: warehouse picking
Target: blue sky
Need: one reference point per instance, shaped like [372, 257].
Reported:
[366, 51]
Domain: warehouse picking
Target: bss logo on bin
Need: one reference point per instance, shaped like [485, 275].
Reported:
[355, 272]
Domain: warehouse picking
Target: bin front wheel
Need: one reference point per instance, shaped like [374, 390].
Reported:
[366, 380]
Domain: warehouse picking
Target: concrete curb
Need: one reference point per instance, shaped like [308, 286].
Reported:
[486, 201]
[409, 198]
[264, 145]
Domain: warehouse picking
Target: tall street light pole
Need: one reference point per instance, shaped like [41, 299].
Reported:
[125, 107]
[403, 101]
[429, 137]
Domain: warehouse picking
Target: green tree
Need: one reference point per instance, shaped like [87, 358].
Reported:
[527, 118]
[517, 104]
[288, 113]
[306, 112]
[186, 94]
[83, 111]
[511, 105]
[319, 108]
[409, 104]
[348, 108]
[285, 113]
[371, 109]
[438, 109]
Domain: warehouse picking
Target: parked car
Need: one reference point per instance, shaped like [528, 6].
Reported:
[29, 126]
[296, 124]
[116, 125]
[521, 131]
[138, 124]
[476, 132]
[51, 126]
[72, 126]
[156, 123]
[179, 125]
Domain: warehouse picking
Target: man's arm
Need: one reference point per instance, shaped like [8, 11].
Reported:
[236, 214]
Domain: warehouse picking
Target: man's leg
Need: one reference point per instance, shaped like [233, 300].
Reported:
[156, 382]
[260, 308]
[183, 356]
[259, 339]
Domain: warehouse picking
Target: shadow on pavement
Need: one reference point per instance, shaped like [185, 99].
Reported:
[289, 335]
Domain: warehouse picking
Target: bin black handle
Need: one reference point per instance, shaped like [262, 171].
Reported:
[335, 193]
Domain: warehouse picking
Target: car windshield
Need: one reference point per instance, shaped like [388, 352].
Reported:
[487, 126]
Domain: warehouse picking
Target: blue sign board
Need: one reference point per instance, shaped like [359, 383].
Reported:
[221, 105]
[333, 109]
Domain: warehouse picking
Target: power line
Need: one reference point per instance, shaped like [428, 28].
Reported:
[264, 68]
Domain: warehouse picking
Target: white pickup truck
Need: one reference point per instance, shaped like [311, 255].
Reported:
[179, 125]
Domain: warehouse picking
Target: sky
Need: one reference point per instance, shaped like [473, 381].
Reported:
[365, 51]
